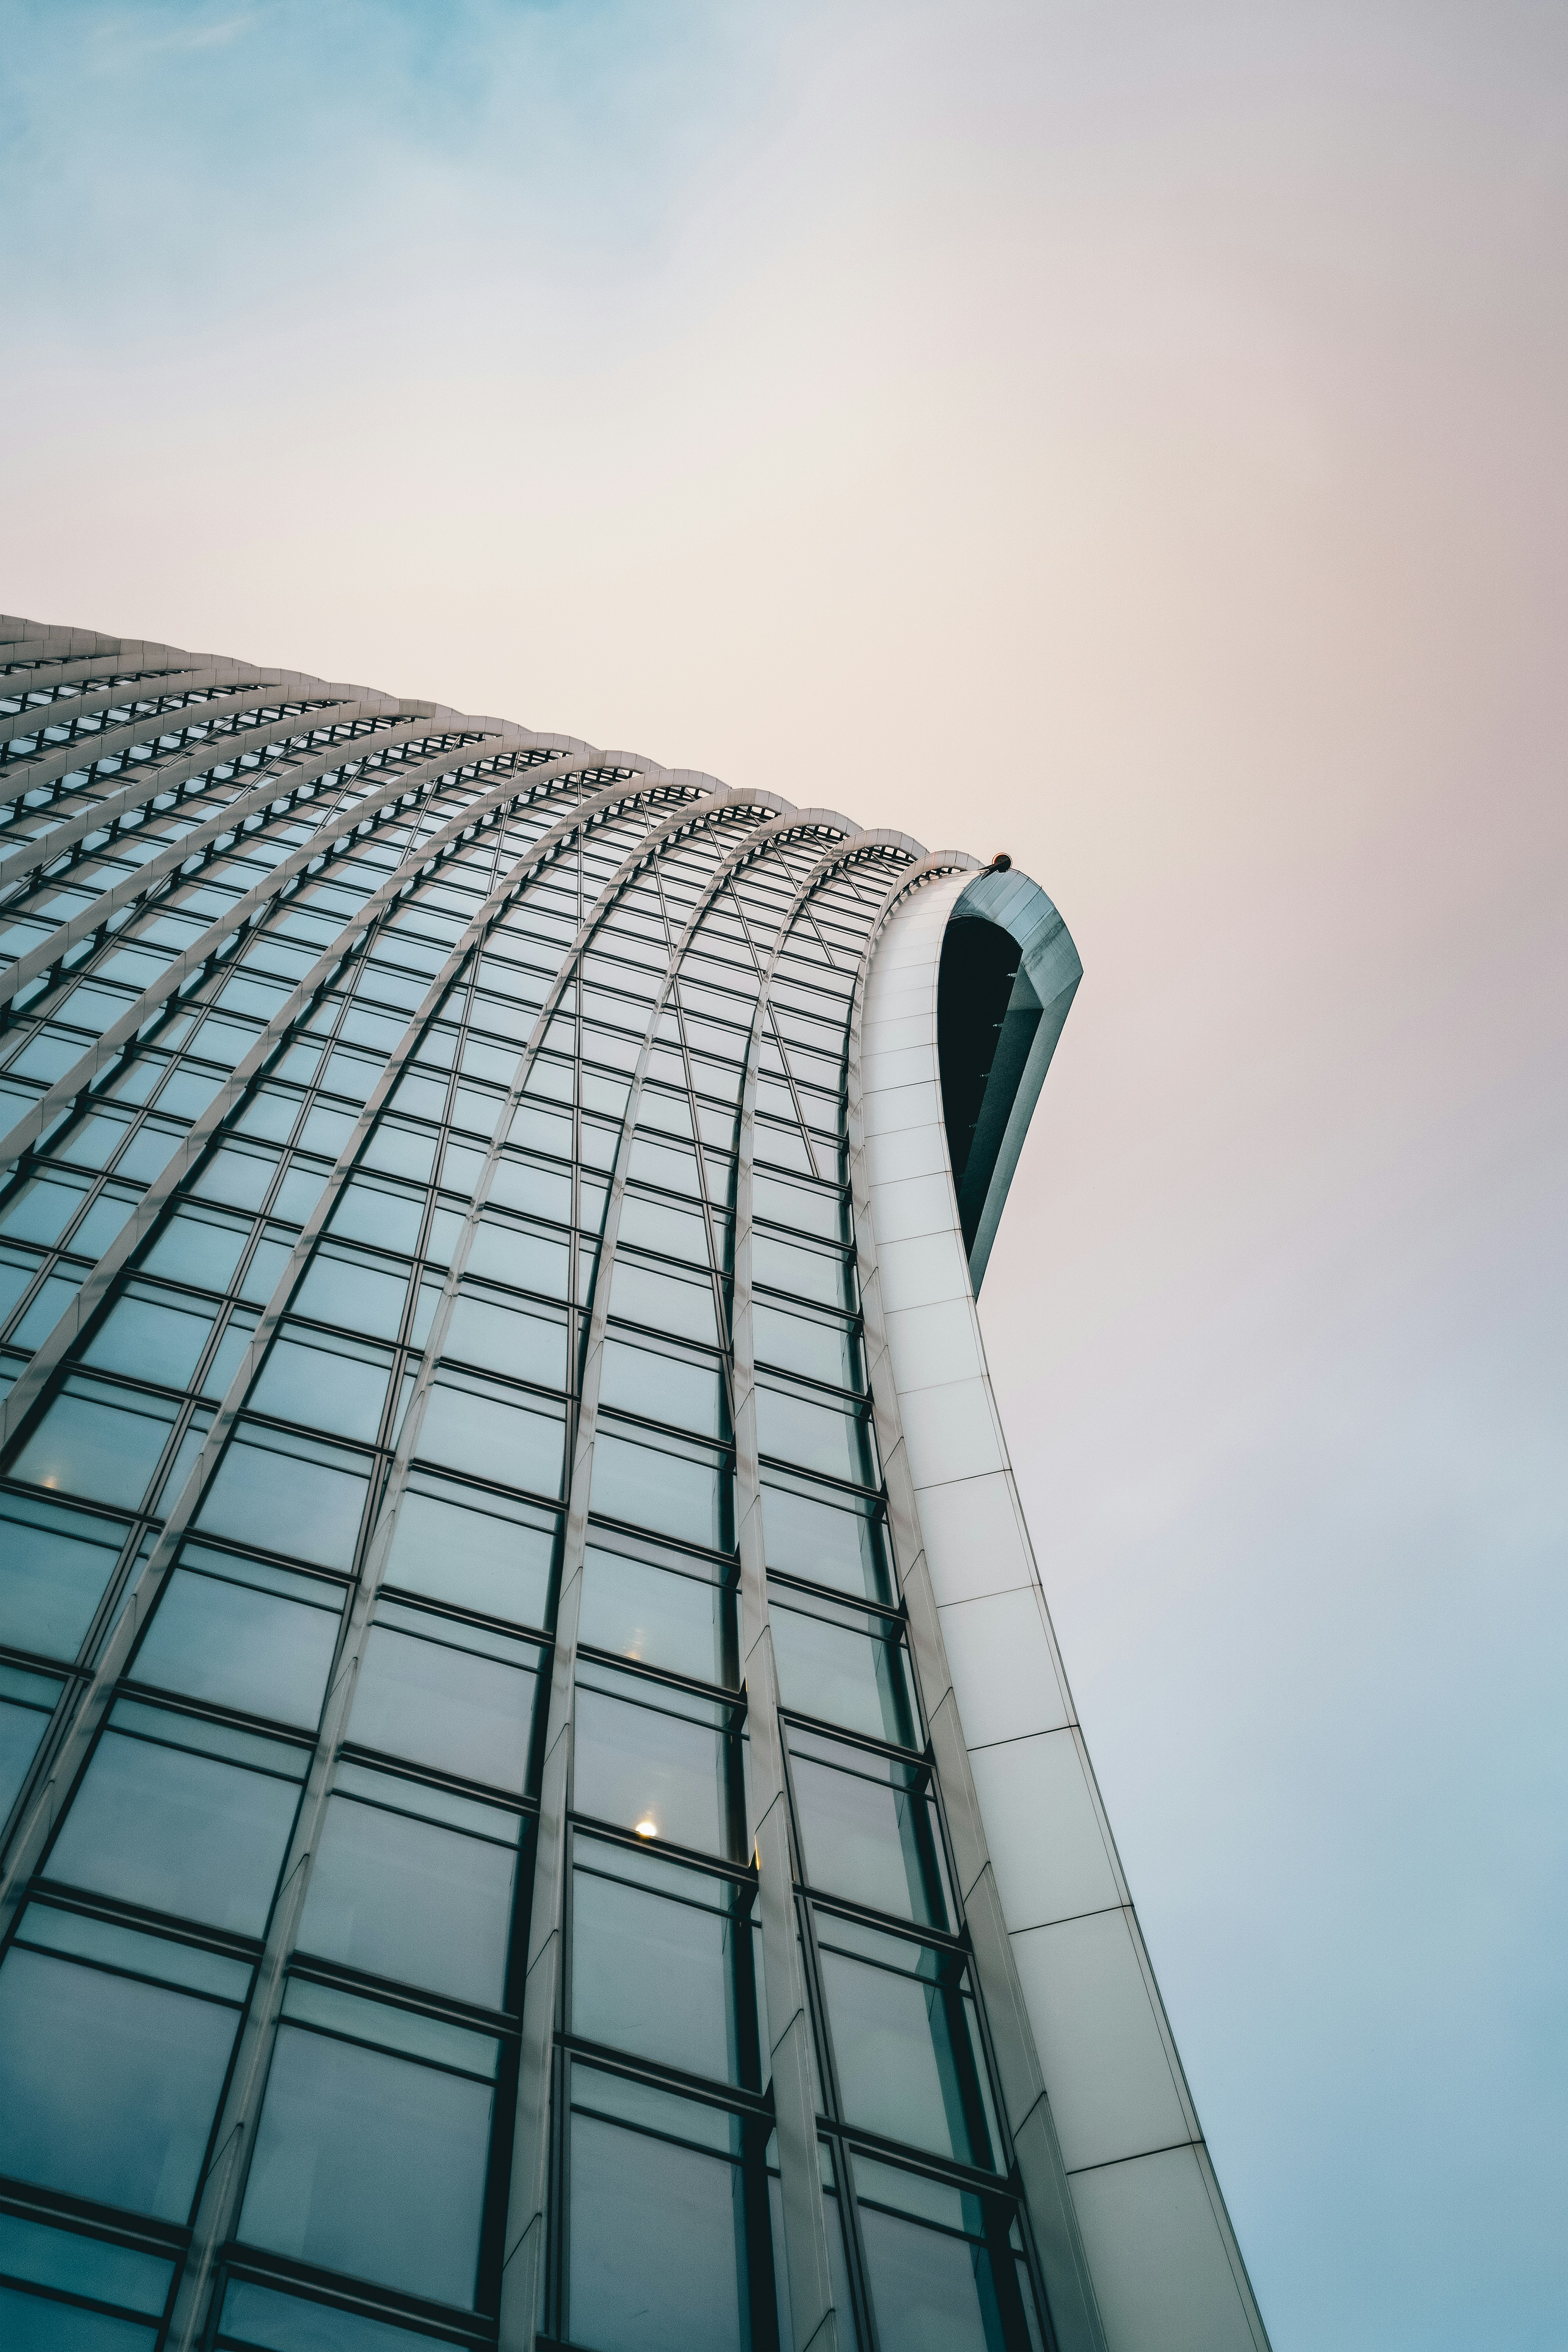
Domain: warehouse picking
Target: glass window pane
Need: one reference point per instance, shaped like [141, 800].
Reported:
[369, 2163]
[305, 1499]
[820, 1275]
[412, 1901]
[519, 1442]
[866, 1832]
[359, 1293]
[505, 1337]
[388, 1215]
[808, 1536]
[461, 1714]
[178, 1832]
[658, 1774]
[28, 2324]
[240, 1647]
[652, 1973]
[810, 1207]
[153, 1338]
[655, 1616]
[521, 1184]
[108, 2086]
[23, 1722]
[518, 1255]
[199, 1247]
[83, 2265]
[287, 2323]
[685, 1496]
[816, 1434]
[931, 2293]
[663, 1302]
[842, 1674]
[98, 1441]
[309, 1380]
[900, 2037]
[819, 1349]
[476, 1550]
[43, 1208]
[228, 1355]
[674, 1389]
[658, 2246]
[53, 1566]
[266, 1266]
[660, 1225]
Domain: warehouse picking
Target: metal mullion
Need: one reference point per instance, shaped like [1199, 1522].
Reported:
[242, 799]
[273, 1035]
[1072, 2311]
[167, 775]
[220, 678]
[72, 1738]
[811, 2296]
[169, 712]
[14, 676]
[530, 2219]
[332, 707]
[163, 873]
[222, 2194]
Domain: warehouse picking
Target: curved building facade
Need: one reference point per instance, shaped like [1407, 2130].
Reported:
[540, 1802]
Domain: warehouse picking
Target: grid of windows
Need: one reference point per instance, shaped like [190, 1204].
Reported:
[476, 1866]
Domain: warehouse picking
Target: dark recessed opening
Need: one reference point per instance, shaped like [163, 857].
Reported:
[976, 1021]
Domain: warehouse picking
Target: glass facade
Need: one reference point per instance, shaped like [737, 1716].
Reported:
[477, 1866]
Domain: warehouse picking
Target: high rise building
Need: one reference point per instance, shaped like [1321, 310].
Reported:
[541, 1805]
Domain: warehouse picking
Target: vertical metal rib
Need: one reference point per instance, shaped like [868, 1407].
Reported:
[88, 1702]
[525, 2272]
[224, 2186]
[73, 1323]
[1069, 2293]
[209, 948]
[812, 2310]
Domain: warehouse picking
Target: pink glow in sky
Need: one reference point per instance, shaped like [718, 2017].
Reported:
[1128, 435]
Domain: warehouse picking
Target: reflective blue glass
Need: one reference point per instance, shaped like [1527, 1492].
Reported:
[99, 1441]
[370, 2164]
[657, 2253]
[444, 1706]
[235, 1643]
[178, 1831]
[411, 1900]
[262, 2316]
[53, 1566]
[477, 1550]
[107, 2085]
[303, 1498]
[30, 2323]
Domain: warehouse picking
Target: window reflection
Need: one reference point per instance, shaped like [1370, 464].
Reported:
[370, 2162]
[654, 1759]
[443, 1693]
[182, 1816]
[669, 1616]
[866, 1828]
[657, 1952]
[109, 2083]
[243, 1634]
[904, 2040]
[842, 1665]
[658, 2259]
[413, 1883]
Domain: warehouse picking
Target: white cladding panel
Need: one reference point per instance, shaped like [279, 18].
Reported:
[1160, 2249]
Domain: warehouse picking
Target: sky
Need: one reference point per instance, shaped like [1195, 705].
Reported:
[1131, 437]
